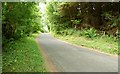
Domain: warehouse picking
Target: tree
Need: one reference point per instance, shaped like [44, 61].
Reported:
[19, 19]
[103, 17]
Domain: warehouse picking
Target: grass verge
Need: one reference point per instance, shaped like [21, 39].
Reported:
[102, 44]
[23, 56]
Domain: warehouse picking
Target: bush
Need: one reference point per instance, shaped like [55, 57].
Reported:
[90, 33]
[68, 31]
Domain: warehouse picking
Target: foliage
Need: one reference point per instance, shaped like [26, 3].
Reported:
[82, 15]
[20, 52]
[90, 33]
[104, 43]
[23, 56]
[76, 21]
[68, 32]
[98, 22]
[20, 19]
[112, 23]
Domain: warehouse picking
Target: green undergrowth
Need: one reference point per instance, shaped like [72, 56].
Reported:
[102, 43]
[23, 56]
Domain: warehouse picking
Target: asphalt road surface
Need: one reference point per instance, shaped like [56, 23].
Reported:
[69, 58]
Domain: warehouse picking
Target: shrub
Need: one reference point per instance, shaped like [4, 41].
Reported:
[90, 33]
[70, 31]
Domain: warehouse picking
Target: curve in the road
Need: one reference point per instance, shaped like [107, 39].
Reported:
[69, 58]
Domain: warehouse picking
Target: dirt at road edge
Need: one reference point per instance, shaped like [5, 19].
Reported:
[48, 64]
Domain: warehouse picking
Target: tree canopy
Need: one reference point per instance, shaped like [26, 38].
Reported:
[101, 16]
[19, 19]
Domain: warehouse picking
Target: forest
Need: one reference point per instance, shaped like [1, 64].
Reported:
[96, 21]
[20, 20]
[89, 24]
[102, 17]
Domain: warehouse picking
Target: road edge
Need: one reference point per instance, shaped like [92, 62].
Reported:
[48, 64]
[108, 54]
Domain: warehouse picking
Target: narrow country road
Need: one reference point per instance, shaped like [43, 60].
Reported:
[69, 58]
